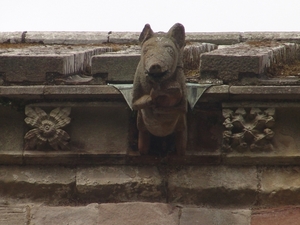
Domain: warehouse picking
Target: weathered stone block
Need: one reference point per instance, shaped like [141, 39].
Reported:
[53, 184]
[76, 38]
[192, 53]
[119, 67]
[119, 183]
[65, 215]
[32, 63]
[280, 185]
[213, 185]
[100, 128]
[243, 61]
[218, 38]
[138, 213]
[204, 131]
[33, 68]
[11, 138]
[22, 92]
[292, 37]
[201, 216]
[80, 91]
[16, 215]
[11, 37]
[283, 215]
[64, 37]
[264, 92]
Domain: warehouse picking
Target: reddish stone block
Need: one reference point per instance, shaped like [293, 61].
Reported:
[276, 216]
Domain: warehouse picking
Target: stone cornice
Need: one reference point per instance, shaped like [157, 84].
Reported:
[80, 37]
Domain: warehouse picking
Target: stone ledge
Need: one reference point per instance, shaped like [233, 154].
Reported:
[263, 92]
[221, 92]
[69, 158]
[81, 38]
[59, 91]
[11, 37]
[120, 184]
[263, 158]
[292, 37]
[220, 38]
[84, 158]
[213, 185]
[38, 183]
[114, 37]
[79, 91]
[230, 186]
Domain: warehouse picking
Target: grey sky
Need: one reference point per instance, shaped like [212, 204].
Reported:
[131, 15]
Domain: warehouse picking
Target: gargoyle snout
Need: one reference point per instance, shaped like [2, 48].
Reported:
[154, 69]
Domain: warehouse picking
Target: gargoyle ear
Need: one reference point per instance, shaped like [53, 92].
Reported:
[177, 32]
[146, 34]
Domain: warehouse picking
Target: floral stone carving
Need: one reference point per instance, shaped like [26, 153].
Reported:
[47, 128]
[248, 129]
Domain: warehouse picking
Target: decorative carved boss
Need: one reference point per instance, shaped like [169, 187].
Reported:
[47, 128]
[248, 129]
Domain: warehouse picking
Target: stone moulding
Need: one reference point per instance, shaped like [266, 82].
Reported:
[47, 128]
[248, 129]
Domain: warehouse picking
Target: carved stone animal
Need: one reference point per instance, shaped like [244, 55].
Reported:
[159, 89]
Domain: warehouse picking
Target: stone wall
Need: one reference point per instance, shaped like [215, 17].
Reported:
[68, 136]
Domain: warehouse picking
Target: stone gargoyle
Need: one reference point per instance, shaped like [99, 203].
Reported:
[159, 89]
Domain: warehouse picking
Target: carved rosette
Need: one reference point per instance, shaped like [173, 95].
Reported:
[248, 129]
[47, 128]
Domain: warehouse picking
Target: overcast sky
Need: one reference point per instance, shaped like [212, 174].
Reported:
[132, 15]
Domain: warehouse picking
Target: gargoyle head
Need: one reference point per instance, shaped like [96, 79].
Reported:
[161, 52]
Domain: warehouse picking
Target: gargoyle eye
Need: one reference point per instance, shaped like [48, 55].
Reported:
[170, 51]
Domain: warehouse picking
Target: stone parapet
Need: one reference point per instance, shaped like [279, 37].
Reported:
[288, 37]
[219, 38]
